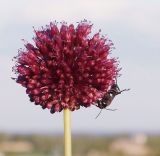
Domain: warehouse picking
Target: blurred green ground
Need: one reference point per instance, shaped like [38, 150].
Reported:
[83, 145]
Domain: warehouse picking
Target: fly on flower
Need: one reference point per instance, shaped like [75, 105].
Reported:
[109, 96]
[66, 67]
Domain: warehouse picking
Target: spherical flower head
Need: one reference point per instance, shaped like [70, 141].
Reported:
[65, 67]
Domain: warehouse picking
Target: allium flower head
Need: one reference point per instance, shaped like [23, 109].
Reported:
[66, 68]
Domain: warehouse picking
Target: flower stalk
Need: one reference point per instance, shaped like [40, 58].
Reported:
[67, 133]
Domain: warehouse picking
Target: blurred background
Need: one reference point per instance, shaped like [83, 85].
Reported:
[134, 129]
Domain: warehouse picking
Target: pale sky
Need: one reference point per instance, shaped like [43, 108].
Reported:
[133, 26]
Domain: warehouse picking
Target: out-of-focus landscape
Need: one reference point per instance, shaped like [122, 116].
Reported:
[86, 145]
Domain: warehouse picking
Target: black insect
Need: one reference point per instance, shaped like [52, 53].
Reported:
[108, 98]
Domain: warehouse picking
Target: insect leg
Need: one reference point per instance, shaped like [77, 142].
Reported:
[98, 114]
[123, 90]
[111, 109]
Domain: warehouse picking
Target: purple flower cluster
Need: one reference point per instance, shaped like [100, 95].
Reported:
[66, 68]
